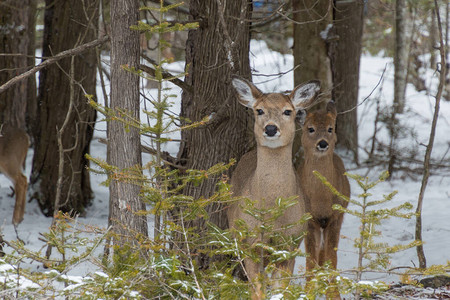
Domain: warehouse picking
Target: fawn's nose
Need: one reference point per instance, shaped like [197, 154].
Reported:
[322, 145]
[271, 130]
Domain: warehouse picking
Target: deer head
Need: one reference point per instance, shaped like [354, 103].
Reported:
[319, 134]
[275, 113]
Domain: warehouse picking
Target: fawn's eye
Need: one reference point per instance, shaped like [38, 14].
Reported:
[259, 112]
[310, 129]
[287, 112]
[330, 129]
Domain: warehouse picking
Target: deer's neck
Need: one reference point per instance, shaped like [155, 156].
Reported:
[324, 164]
[274, 169]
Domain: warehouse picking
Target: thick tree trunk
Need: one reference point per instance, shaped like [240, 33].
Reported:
[312, 28]
[312, 22]
[348, 22]
[214, 53]
[67, 24]
[14, 39]
[124, 142]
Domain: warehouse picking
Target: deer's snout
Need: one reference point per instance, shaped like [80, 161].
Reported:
[322, 145]
[271, 130]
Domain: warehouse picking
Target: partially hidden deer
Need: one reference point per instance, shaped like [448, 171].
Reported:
[318, 141]
[14, 143]
[267, 173]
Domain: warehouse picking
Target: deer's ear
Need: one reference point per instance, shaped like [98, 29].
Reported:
[304, 94]
[331, 107]
[301, 116]
[247, 91]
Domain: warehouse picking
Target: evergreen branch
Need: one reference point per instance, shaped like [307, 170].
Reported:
[167, 158]
[166, 75]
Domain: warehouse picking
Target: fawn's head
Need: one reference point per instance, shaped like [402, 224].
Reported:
[275, 113]
[319, 134]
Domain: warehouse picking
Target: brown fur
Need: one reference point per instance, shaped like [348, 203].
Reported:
[14, 145]
[267, 173]
[326, 223]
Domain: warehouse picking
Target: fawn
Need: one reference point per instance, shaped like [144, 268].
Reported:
[318, 141]
[267, 173]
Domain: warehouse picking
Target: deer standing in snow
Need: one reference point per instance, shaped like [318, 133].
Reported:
[14, 145]
[267, 173]
[318, 141]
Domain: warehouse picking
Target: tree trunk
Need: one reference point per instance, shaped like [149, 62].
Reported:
[32, 119]
[400, 55]
[124, 142]
[312, 20]
[215, 51]
[14, 39]
[312, 28]
[348, 22]
[66, 24]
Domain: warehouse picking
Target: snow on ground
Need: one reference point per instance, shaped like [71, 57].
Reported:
[418, 116]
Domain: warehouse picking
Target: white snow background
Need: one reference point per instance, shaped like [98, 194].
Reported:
[417, 118]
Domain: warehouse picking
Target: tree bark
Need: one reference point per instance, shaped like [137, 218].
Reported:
[31, 117]
[400, 55]
[124, 142]
[15, 24]
[216, 50]
[312, 27]
[348, 22]
[66, 25]
[311, 59]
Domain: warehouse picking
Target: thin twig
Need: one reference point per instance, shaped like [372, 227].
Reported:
[370, 94]
[190, 259]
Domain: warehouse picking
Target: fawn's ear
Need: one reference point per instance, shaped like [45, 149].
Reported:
[301, 116]
[248, 93]
[331, 108]
[304, 94]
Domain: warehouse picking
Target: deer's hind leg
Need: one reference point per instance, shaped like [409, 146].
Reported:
[20, 186]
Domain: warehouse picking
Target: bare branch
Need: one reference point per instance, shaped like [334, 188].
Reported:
[370, 94]
[52, 60]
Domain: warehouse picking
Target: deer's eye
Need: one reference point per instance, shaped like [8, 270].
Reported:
[259, 112]
[310, 129]
[287, 112]
[330, 129]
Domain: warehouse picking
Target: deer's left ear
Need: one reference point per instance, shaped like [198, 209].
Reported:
[304, 94]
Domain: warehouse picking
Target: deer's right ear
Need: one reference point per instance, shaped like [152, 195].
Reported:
[301, 116]
[303, 95]
[247, 92]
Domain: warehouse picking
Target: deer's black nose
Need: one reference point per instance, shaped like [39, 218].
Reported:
[322, 145]
[271, 130]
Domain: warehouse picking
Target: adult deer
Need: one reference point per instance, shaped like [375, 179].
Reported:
[14, 145]
[267, 173]
[318, 141]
